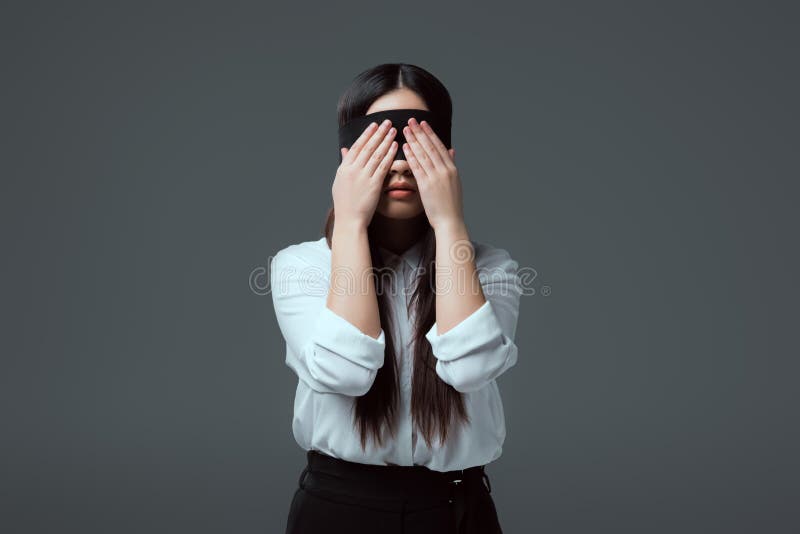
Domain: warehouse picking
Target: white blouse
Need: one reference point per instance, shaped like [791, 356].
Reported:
[336, 362]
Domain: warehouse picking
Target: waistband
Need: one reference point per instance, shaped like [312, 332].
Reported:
[413, 482]
[398, 475]
[403, 488]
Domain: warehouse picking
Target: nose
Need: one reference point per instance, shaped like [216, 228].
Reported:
[401, 167]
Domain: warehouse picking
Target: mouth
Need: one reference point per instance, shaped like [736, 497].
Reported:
[400, 187]
[400, 192]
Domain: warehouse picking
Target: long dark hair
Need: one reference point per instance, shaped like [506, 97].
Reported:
[434, 403]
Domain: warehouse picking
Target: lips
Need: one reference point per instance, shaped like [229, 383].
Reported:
[401, 187]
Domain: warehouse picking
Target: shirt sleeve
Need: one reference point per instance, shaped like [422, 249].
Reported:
[324, 349]
[481, 347]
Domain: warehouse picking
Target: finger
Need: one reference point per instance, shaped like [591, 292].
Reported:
[372, 143]
[413, 162]
[377, 156]
[426, 152]
[386, 162]
[365, 135]
[437, 143]
[416, 153]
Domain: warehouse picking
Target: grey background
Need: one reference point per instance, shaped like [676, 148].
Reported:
[642, 157]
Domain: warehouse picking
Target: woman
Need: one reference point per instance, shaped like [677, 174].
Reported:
[397, 403]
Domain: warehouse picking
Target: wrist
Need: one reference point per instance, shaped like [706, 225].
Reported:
[349, 225]
[450, 228]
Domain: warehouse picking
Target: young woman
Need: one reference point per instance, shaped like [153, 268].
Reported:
[396, 341]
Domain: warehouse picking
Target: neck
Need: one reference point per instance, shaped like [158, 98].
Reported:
[397, 235]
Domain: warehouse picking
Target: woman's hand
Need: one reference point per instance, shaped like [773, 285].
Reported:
[437, 178]
[359, 179]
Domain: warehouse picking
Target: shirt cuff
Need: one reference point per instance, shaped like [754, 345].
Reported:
[478, 331]
[339, 336]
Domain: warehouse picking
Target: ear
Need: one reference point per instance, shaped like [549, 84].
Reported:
[452, 153]
[344, 150]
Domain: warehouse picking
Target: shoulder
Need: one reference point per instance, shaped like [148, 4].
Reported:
[489, 257]
[306, 253]
[498, 271]
[316, 253]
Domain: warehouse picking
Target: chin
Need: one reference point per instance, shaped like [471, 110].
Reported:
[400, 210]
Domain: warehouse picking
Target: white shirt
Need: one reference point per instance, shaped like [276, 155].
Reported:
[336, 362]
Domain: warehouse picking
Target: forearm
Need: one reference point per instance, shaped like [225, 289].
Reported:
[352, 288]
[458, 289]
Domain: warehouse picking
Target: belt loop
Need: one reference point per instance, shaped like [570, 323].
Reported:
[488, 483]
[301, 480]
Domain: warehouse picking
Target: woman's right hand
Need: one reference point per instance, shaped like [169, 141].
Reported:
[359, 179]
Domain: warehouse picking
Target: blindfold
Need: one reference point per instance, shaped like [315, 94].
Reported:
[352, 130]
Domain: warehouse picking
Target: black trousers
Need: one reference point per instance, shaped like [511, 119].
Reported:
[337, 496]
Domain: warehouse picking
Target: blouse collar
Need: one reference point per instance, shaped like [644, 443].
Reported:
[411, 255]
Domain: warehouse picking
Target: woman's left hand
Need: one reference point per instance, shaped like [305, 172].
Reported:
[434, 168]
